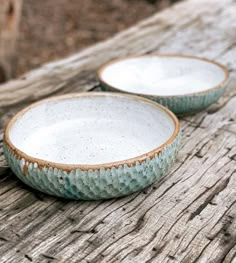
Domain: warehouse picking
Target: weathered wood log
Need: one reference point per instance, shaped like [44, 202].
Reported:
[190, 215]
[10, 11]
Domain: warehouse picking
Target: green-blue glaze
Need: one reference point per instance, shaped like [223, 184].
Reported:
[94, 184]
[184, 104]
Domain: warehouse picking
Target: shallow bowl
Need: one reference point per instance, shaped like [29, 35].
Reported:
[184, 84]
[92, 145]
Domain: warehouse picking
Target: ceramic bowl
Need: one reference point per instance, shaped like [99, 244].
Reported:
[92, 145]
[184, 84]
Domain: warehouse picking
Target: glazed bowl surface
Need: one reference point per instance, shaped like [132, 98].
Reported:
[184, 84]
[92, 145]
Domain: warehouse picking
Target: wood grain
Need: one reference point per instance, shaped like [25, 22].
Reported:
[190, 215]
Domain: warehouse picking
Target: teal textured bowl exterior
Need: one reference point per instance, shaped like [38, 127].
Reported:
[91, 184]
[184, 104]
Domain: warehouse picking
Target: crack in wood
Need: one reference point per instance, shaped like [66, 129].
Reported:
[28, 257]
[219, 188]
[48, 257]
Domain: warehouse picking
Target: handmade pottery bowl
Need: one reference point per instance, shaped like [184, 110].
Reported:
[92, 145]
[184, 84]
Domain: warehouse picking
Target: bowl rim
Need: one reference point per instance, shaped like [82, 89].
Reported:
[109, 63]
[68, 167]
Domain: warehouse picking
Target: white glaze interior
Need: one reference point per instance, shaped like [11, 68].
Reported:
[91, 130]
[163, 76]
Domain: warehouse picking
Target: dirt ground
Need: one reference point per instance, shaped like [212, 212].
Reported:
[52, 29]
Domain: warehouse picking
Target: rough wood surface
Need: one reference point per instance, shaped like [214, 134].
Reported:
[189, 216]
[10, 11]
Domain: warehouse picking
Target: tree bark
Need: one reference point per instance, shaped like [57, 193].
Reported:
[10, 11]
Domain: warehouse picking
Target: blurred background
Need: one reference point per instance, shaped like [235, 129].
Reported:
[52, 29]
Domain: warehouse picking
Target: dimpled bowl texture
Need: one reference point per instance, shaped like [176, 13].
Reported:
[92, 145]
[184, 84]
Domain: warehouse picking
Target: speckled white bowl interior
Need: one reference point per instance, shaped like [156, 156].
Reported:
[162, 75]
[91, 129]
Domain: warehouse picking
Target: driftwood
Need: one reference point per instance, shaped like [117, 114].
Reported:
[189, 216]
[10, 11]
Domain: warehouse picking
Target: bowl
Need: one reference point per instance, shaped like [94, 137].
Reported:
[93, 145]
[184, 84]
